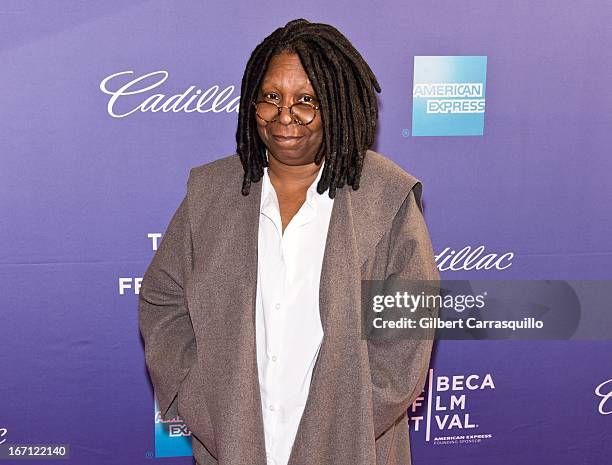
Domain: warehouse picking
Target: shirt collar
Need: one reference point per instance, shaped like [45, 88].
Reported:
[312, 190]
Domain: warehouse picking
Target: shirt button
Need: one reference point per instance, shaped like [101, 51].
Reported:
[274, 358]
[277, 306]
[271, 407]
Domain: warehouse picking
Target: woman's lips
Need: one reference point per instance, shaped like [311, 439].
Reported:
[287, 140]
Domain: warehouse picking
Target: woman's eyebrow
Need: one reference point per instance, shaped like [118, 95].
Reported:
[305, 87]
[270, 88]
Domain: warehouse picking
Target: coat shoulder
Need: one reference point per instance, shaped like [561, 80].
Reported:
[221, 168]
[210, 181]
[384, 187]
[384, 181]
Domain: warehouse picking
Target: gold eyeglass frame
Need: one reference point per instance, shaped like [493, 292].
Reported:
[293, 117]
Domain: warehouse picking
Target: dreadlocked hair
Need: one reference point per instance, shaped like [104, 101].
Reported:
[344, 85]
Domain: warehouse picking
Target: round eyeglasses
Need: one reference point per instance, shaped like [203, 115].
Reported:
[301, 112]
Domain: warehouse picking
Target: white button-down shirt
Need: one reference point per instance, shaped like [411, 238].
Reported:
[288, 323]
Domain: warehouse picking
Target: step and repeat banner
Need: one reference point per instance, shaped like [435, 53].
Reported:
[501, 109]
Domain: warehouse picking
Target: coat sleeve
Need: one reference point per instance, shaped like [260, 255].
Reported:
[164, 321]
[399, 367]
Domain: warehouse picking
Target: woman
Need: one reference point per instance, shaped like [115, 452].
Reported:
[250, 309]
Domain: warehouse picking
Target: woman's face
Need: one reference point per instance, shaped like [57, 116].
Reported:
[285, 83]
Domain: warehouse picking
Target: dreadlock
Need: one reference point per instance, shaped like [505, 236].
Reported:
[344, 85]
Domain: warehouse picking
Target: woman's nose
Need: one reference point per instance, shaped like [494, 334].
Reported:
[285, 116]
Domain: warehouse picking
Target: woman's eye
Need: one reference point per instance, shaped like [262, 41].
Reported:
[307, 98]
[271, 96]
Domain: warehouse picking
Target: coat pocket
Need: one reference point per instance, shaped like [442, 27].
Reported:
[192, 408]
[384, 444]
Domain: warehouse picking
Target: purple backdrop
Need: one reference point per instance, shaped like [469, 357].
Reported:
[81, 190]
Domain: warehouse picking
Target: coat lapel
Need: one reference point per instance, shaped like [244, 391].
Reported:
[340, 260]
[250, 219]
[227, 246]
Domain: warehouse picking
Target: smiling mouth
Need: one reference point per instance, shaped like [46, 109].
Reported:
[288, 141]
[286, 137]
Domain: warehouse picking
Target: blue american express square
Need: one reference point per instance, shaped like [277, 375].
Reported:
[448, 95]
[172, 437]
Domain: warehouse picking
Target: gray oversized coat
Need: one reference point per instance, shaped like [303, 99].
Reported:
[197, 319]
